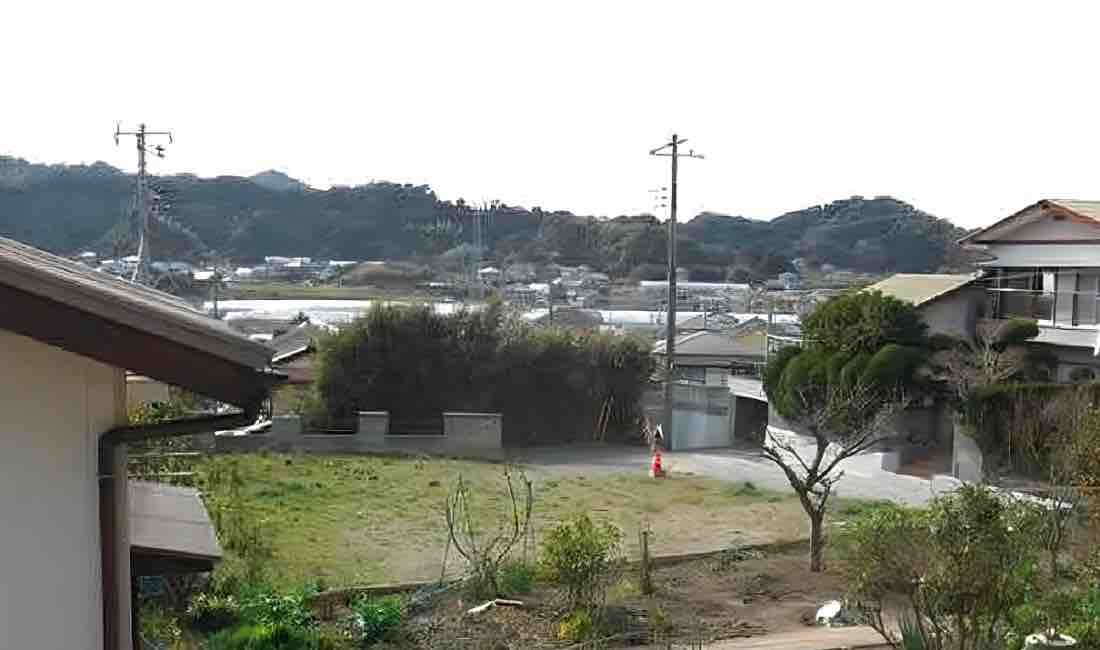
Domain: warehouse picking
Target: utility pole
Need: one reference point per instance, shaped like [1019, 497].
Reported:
[141, 196]
[671, 150]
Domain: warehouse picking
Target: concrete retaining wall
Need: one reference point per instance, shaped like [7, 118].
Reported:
[464, 434]
[966, 456]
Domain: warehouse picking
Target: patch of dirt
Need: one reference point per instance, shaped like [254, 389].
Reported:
[715, 599]
[738, 596]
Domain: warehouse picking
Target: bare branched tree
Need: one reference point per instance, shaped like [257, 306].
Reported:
[992, 356]
[484, 553]
[844, 420]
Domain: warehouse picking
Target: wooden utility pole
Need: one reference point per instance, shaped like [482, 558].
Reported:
[671, 150]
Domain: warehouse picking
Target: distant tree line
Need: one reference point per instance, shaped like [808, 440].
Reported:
[69, 208]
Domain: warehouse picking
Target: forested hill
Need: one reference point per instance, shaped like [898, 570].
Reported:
[67, 208]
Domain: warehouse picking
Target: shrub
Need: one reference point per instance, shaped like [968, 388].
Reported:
[1078, 616]
[484, 553]
[517, 578]
[159, 628]
[864, 321]
[892, 365]
[377, 618]
[238, 528]
[577, 626]
[580, 555]
[209, 613]
[963, 565]
[287, 610]
[274, 637]
[547, 383]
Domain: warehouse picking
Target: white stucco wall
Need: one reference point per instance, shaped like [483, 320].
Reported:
[53, 406]
[1043, 255]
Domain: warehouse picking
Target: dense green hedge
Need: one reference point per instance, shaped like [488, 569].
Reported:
[551, 385]
[1017, 423]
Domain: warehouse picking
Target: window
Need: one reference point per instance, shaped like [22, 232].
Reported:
[1065, 289]
[691, 374]
[1088, 284]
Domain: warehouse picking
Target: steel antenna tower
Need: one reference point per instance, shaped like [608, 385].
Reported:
[141, 272]
[671, 149]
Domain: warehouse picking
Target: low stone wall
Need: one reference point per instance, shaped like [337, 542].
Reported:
[464, 434]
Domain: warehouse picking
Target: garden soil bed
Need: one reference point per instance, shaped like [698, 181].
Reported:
[709, 599]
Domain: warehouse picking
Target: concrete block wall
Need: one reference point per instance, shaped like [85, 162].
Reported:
[464, 434]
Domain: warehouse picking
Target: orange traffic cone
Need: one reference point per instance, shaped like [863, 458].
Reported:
[655, 469]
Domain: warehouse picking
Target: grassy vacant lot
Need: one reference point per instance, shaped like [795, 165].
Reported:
[356, 520]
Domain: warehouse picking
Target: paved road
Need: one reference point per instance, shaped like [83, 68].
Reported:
[863, 478]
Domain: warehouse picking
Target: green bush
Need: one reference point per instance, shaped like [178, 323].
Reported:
[963, 564]
[208, 613]
[517, 578]
[270, 609]
[158, 628]
[853, 370]
[577, 626]
[892, 365]
[864, 321]
[1078, 616]
[579, 555]
[773, 372]
[377, 618]
[549, 384]
[274, 637]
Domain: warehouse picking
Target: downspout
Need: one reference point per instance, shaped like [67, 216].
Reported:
[112, 463]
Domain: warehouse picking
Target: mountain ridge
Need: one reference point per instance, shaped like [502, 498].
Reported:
[67, 208]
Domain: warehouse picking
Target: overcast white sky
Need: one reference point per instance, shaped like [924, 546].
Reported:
[969, 110]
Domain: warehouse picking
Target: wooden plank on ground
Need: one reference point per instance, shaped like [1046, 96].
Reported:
[812, 638]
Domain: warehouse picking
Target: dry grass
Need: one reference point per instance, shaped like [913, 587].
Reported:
[355, 520]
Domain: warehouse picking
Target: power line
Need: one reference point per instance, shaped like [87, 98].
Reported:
[141, 196]
[671, 149]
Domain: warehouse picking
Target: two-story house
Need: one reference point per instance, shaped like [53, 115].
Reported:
[1046, 265]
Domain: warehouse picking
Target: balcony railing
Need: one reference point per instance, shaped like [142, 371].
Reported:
[1060, 309]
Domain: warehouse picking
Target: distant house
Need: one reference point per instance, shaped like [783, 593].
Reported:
[948, 304]
[710, 357]
[789, 281]
[71, 525]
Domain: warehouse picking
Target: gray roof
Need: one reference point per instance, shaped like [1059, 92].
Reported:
[720, 344]
[708, 321]
[921, 288]
[170, 520]
[37, 272]
[296, 340]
